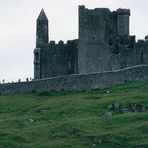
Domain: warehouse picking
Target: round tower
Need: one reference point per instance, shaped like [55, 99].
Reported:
[42, 30]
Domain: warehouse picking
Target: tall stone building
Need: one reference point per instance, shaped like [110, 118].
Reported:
[104, 44]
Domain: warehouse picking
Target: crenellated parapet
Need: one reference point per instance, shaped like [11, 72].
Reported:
[123, 11]
[123, 22]
[104, 44]
[59, 58]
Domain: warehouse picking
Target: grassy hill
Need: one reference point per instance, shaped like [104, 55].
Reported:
[116, 117]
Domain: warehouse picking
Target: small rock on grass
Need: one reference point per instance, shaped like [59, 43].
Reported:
[108, 114]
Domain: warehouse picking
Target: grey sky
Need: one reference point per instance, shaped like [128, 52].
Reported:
[17, 28]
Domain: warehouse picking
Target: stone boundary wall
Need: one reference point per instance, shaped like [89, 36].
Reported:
[78, 82]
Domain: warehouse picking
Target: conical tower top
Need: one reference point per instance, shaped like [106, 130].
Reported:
[42, 15]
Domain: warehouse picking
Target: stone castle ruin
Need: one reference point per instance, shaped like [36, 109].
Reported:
[104, 44]
[104, 55]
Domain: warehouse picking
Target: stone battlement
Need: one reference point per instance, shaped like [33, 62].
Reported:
[104, 44]
[118, 11]
[123, 11]
[61, 42]
[82, 7]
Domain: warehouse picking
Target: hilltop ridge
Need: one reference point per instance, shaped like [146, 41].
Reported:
[113, 117]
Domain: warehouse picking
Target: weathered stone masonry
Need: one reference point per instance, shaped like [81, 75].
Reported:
[78, 82]
[104, 44]
[51, 59]
[104, 55]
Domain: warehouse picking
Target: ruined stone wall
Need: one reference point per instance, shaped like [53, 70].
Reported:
[79, 81]
[104, 41]
[145, 53]
[123, 22]
[59, 59]
[104, 44]
[92, 37]
[141, 52]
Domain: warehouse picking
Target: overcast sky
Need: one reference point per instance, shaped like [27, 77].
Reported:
[18, 26]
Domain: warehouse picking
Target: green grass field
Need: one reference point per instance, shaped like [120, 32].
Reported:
[75, 119]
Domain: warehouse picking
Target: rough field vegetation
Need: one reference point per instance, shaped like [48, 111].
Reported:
[97, 118]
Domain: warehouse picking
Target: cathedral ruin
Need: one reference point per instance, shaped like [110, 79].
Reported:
[104, 44]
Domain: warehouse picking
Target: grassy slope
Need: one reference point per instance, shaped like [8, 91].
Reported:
[74, 119]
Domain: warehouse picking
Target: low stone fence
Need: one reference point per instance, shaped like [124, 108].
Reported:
[79, 81]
